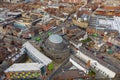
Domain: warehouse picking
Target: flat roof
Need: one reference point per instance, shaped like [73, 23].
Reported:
[39, 55]
[24, 67]
[109, 23]
[116, 24]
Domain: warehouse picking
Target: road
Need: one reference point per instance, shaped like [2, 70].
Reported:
[58, 70]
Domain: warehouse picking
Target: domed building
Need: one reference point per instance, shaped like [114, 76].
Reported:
[56, 48]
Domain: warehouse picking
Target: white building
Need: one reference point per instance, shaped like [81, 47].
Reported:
[36, 55]
[109, 23]
[100, 66]
[18, 67]
[116, 24]
[78, 64]
[20, 71]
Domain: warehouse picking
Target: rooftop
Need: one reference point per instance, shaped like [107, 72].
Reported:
[55, 38]
[108, 23]
[24, 67]
[38, 55]
[106, 62]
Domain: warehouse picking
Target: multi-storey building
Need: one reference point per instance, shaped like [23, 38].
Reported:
[24, 71]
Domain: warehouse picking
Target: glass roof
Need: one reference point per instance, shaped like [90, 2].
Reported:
[55, 38]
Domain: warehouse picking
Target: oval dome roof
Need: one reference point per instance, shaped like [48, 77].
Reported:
[55, 38]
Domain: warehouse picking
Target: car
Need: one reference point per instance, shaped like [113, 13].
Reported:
[53, 27]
